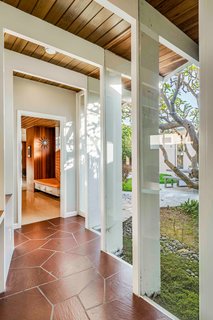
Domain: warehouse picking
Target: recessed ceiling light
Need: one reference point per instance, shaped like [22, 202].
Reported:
[50, 50]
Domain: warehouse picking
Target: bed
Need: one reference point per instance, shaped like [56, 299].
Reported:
[50, 186]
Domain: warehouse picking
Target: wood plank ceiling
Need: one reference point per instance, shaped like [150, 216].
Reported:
[88, 20]
[28, 122]
[183, 13]
[85, 18]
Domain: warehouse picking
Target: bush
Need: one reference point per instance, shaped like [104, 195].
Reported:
[162, 175]
[127, 185]
[190, 207]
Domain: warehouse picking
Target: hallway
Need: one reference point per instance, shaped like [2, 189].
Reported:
[58, 272]
[39, 206]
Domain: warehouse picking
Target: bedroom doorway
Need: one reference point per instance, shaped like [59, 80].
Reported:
[40, 188]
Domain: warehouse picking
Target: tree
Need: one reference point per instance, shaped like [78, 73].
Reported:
[126, 140]
[177, 114]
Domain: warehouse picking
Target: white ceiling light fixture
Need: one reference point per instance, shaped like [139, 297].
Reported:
[50, 50]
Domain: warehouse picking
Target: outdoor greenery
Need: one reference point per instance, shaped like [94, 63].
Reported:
[179, 273]
[191, 207]
[161, 178]
[127, 184]
[180, 290]
[126, 142]
[179, 113]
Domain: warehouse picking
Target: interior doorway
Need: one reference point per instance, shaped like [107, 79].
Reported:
[40, 169]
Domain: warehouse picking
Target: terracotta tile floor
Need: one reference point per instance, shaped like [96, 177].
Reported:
[59, 273]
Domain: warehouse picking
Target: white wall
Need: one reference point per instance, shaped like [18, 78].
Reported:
[42, 98]
[171, 149]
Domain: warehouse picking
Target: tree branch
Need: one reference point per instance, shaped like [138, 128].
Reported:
[177, 171]
[169, 125]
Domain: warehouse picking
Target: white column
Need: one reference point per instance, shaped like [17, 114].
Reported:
[206, 158]
[113, 162]
[9, 182]
[146, 214]
[2, 192]
[93, 154]
[82, 150]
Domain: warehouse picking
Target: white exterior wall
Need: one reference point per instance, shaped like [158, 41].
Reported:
[42, 98]
[171, 149]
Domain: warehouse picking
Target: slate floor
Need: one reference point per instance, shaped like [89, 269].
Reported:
[59, 273]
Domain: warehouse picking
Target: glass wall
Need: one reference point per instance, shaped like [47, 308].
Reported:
[169, 177]
[118, 135]
[179, 178]
[113, 177]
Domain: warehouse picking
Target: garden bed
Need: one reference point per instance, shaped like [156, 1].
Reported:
[179, 262]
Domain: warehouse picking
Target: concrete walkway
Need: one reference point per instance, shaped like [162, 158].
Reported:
[171, 197]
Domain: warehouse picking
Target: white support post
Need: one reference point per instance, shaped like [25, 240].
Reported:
[148, 219]
[2, 192]
[206, 156]
[93, 154]
[82, 157]
[113, 162]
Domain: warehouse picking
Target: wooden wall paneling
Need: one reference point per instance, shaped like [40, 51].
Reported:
[30, 161]
[57, 165]
[44, 158]
[41, 164]
[24, 158]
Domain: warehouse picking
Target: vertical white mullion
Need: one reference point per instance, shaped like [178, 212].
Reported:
[77, 126]
[206, 156]
[2, 173]
[103, 157]
[135, 159]
[86, 158]
[2, 177]
[146, 240]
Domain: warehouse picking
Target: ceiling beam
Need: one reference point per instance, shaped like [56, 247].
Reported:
[116, 63]
[127, 10]
[154, 23]
[30, 28]
[18, 62]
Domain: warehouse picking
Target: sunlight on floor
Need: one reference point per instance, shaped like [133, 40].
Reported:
[38, 206]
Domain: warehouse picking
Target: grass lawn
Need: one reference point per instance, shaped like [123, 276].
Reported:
[179, 275]
[127, 186]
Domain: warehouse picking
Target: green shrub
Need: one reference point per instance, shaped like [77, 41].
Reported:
[127, 185]
[162, 175]
[190, 207]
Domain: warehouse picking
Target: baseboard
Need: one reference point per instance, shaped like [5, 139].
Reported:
[70, 214]
[16, 226]
[82, 214]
